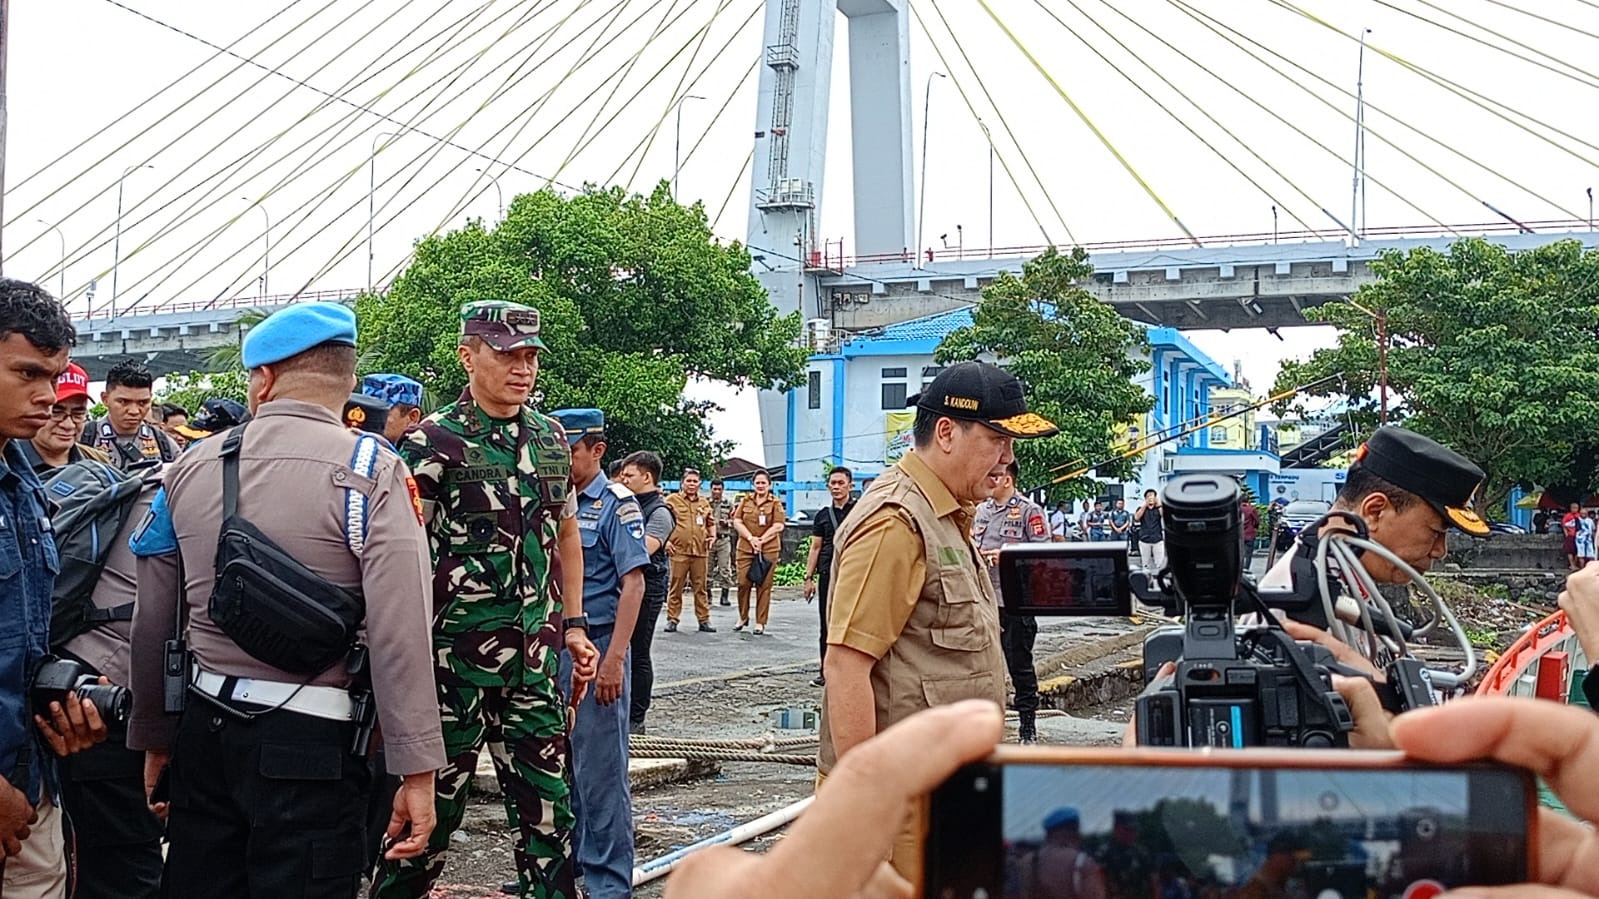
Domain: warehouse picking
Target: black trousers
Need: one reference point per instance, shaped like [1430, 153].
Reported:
[1016, 636]
[643, 682]
[823, 579]
[117, 839]
[274, 807]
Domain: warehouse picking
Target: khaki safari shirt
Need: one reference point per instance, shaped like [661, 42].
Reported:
[691, 536]
[909, 590]
[759, 516]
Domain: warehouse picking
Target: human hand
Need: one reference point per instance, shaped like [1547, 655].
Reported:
[855, 818]
[73, 726]
[412, 821]
[1164, 673]
[585, 662]
[810, 587]
[15, 816]
[1558, 743]
[155, 762]
[1580, 602]
[608, 686]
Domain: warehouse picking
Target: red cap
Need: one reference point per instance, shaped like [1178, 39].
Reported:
[73, 382]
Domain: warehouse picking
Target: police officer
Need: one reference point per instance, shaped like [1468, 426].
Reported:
[494, 480]
[640, 473]
[614, 562]
[913, 619]
[1008, 517]
[691, 542]
[722, 547]
[265, 767]
[404, 398]
[126, 434]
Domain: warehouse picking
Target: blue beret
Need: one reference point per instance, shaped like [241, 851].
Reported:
[1061, 817]
[579, 423]
[392, 389]
[290, 332]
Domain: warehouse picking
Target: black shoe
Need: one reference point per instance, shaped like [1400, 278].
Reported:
[511, 888]
[724, 601]
[818, 681]
[705, 628]
[671, 626]
[1027, 729]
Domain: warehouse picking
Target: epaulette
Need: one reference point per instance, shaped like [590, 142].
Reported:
[618, 491]
[364, 462]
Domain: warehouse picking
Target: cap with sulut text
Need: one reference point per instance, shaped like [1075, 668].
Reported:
[289, 332]
[392, 389]
[988, 394]
[580, 423]
[504, 326]
[72, 382]
[1443, 478]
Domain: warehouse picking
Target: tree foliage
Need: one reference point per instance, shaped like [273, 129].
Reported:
[1490, 352]
[192, 389]
[635, 295]
[1074, 353]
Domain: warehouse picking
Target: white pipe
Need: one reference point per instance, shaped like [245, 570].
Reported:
[663, 866]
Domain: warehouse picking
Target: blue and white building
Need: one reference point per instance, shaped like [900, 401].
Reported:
[851, 409]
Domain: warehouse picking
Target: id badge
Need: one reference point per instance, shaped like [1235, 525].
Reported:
[699, 520]
[762, 520]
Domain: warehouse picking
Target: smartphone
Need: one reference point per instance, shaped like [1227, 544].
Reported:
[1101, 823]
[1065, 579]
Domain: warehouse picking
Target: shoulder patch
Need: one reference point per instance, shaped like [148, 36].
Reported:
[155, 535]
[618, 491]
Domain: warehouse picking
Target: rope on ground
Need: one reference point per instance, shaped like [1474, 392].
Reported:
[641, 741]
[723, 755]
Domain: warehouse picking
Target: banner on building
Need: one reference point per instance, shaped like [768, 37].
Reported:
[897, 434]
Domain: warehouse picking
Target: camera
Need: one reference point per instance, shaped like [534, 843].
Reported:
[58, 677]
[1233, 687]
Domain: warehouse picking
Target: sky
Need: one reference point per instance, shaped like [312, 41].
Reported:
[227, 163]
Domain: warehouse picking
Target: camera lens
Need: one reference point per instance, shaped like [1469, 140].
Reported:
[113, 702]
[1204, 542]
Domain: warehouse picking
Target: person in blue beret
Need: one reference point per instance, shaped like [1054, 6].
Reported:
[404, 397]
[1060, 867]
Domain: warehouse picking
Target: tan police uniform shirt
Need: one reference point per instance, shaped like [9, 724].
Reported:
[293, 468]
[759, 516]
[909, 590]
[691, 536]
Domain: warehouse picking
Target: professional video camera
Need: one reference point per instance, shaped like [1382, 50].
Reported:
[58, 677]
[1234, 686]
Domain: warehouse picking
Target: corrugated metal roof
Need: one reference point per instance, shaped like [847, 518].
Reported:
[928, 327]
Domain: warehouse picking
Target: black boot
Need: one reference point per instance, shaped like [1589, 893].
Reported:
[1027, 729]
[724, 598]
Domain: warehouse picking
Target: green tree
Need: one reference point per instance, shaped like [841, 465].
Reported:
[230, 357]
[636, 297]
[191, 389]
[1490, 352]
[1074, 353]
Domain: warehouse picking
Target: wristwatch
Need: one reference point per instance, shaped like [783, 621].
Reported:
[576, 621]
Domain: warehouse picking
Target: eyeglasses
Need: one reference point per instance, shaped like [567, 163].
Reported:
[691, 471]
[57, 413]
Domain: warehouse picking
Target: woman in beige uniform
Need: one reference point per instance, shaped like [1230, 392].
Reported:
[759, 521]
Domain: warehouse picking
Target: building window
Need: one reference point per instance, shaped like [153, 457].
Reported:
[1218, 436]
[893, 373]
[813, 390]
[929, 372]
[893, 395]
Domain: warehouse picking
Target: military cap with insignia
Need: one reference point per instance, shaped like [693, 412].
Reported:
[216, 414]
[1441, 477]
[580, 423]
[290, 332]
[392, 389]
[504, 326]
[987, 394]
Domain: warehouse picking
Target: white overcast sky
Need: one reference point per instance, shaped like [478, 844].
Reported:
[568, 89]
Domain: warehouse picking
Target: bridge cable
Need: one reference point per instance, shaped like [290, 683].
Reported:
[328, 136]
[1591, 78]
[440, 89]
[1481, 100]
[427, 155]
[637, 93]
[727, 104]
[1178, 119]
[214, 112]
[1556, 22]
[1081, 114]
[1351, 95]
[749, 158]
[1003, 122]
[1183, 6]
[98, 132]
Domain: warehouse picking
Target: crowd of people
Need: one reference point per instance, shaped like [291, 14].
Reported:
[323, 616]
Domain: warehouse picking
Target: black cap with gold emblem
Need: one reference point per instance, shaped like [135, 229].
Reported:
[1445, 479]
[977, 391]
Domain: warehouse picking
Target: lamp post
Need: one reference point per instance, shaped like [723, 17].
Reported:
[1380, 317]
[499, 195]
[116, 245]
[990, 138]
[371, 206]
[921, 205]
[62, 295]
[1360, 138]
[266, 245]
[677, 142]
[1590, 209]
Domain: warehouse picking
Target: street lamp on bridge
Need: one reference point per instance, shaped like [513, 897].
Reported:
[499, 195]
[677, 142]
[921, 206]
[62, 295]
[371, 191]
[116, 245]
[266, 245]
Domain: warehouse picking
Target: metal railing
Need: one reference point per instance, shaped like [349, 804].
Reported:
[239, 302]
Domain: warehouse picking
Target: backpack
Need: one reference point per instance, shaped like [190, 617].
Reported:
[93, 501]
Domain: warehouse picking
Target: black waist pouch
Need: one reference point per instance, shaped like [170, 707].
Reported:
[274, 608]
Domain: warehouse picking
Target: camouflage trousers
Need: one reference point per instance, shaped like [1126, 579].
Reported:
[525, 730]
[721, 563]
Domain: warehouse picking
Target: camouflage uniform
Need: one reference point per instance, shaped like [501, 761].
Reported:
[722, 551]
[495, 492]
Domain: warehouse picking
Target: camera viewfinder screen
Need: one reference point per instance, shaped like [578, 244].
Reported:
[1136, 832]
[1067, 585]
